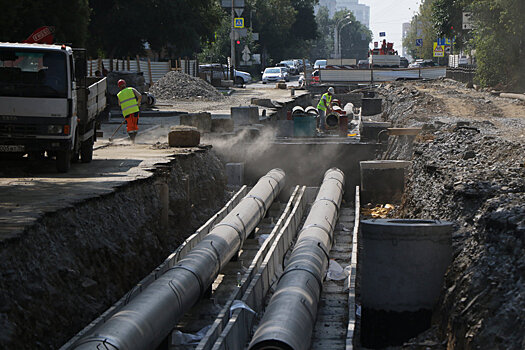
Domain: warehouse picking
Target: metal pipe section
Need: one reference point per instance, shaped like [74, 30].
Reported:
[151, 315]
[290, 316]
[298, 111]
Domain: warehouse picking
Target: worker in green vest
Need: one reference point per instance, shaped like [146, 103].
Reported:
[325, 103]
[129, 101]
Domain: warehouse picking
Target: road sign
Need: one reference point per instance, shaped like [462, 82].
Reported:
[382, 33]
[419, 42]
[447, 49]
[238, 22]
[228, 3]
[238, 33]
[439, 50]
[239, 11]
[246, 50]
[441, 41]
[468, 23]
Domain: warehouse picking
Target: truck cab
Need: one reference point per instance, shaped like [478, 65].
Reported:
[46, 105]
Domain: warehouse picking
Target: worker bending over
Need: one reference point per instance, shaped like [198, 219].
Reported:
[325, 103]
[129, 101]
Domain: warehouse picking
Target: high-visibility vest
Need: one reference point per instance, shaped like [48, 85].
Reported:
[321, 105]
[128, 101]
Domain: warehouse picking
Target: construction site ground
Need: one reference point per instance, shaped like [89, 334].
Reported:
[63, 272]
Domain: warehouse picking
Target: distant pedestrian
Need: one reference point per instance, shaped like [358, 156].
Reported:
[129, 101]
[325, 103]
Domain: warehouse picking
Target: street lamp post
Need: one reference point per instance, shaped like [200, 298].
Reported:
[336, 35]
[339, 36]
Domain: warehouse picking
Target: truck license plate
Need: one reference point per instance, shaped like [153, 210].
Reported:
[12, 148]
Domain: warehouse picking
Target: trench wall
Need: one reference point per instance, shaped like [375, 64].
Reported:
[72, 265]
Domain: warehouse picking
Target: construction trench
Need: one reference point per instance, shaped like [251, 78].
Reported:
[267, 242]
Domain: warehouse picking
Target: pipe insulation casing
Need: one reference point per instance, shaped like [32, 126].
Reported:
[290, 317]
[151, 315]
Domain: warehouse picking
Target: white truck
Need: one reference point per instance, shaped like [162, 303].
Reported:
[47, 104]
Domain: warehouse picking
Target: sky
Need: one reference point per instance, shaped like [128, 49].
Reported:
[388, 16]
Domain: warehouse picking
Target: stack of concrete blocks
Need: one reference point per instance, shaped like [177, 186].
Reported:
[202, 121]
[235, 175]
[245, 115]
[183, 136]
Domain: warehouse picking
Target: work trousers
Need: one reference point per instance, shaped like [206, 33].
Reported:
[132, 123]
[322, 119]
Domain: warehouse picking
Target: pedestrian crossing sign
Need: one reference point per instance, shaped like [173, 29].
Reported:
[238, 22]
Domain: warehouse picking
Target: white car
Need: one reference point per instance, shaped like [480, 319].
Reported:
[275, 74]
[320, 64]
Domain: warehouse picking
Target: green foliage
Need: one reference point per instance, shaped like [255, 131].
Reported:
[18, 19]
[422, 27]
[121, 27]
[324, 45]
[499, 42]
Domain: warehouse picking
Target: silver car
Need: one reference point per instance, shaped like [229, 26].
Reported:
[274, 74]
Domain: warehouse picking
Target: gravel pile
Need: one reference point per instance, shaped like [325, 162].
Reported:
[472, 175]
[177, 85]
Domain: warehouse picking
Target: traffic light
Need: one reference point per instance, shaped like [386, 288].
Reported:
[238, 42]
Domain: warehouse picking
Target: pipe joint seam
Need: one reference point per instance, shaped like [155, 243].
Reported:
[238, 230]
[260, 202]
[199, 280]
[274, 179]
[324, 229]
[175, 291]
[341, 183]
[103, 341]
[302, 268]
[218, 258]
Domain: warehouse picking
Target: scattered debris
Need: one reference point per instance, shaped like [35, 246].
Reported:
[378, 212]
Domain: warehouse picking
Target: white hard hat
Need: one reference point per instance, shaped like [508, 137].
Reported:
[331, 90]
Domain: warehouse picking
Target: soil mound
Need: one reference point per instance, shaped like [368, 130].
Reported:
[177, 85]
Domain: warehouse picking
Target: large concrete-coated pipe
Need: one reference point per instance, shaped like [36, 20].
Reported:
[151, 315]
[290, 316]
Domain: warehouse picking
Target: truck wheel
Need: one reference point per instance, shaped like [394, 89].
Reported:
[86, 150]
[63, 161]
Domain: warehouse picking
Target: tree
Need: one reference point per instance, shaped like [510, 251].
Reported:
[69, 17]
[122, 27]
[354, 39]
[498, 38]
[324, 45]
[421, 27]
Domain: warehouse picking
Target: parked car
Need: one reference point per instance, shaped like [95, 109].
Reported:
[220, 71]
[320, 64]
[275, 74]
[403, 62]
[290, 64]
[363, 64]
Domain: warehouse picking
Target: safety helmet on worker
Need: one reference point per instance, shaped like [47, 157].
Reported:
[121, 83]
[331, 90]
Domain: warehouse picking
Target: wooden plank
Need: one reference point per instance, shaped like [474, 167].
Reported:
[403, 131]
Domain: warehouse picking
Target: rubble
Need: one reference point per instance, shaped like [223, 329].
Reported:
[471, 174]
[177, 85]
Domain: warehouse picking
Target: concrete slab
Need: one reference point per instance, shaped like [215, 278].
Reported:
[29, 189]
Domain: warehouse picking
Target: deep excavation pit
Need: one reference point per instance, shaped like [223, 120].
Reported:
[69, 267]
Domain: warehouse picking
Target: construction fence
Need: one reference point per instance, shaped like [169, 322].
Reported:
[153, 71]
[463, 74]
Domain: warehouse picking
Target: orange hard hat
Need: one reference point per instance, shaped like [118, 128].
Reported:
[121, 83]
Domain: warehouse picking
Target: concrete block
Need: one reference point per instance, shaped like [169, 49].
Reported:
[184, 136]
[245, 115]
[222, 125]
[403, 263]
[201, 120]
[371, 106]
[235, 174]
[369, 131]
[263, 102]
[383, 181]
[280, 86]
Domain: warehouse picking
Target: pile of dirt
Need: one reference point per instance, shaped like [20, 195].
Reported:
[472, 173]
[177, 85]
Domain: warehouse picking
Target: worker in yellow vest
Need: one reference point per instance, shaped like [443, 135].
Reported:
[325, 103]
[129, 101]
